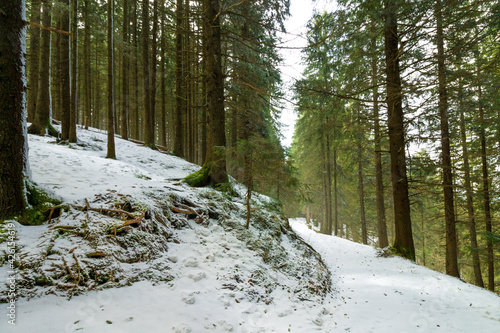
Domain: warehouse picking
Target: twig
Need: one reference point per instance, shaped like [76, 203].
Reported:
[48, 28]
[78, 266]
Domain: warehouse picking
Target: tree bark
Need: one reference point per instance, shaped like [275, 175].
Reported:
[86, 70]
[111, 90]
[216, 136]
[65, 73]
[179, 81]
[73, 116]
[34, 60]
[379, 182]
[125, 71]
[449, 210]
[13, 140]
[163, 127]
[148, 136]
[43, 114]
[470, 201]
[486, 187]
[403, 242]
[154, 54]
[361, 188]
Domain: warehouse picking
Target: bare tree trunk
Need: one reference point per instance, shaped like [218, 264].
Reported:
[486, 188]
[13, 140]
[125, 70]
[179, 81]
[148, 136]
[335, 193]
[163, 76]
[86, 70]
[73, 116]
[449, 210]
[216, 136]
[379, 182]
[470, 201]
[65, 74]
[34, 60]
[361, 188]
[154, 54]
[404, 236]
[111, 90]
[42, 121]
[136, 74]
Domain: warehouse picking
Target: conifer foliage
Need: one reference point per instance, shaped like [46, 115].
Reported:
[393, 100]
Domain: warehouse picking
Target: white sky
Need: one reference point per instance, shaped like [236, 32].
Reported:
[301, 11]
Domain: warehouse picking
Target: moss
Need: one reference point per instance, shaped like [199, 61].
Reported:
[402, 251]
[199, 178]
[43, 280]
[40, 205]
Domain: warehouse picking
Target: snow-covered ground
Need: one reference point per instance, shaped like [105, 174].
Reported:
[216, 282]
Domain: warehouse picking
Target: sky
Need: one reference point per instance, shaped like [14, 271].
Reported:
[301, 12]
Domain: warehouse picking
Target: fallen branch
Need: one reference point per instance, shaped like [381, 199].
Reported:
[96, 255]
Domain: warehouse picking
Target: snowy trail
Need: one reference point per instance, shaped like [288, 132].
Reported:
[373, 294]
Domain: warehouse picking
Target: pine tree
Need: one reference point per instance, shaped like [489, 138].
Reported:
[13, 140]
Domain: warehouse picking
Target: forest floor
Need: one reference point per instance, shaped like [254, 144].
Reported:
[208, 273]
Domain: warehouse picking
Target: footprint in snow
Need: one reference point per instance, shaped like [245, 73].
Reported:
[182, 328]
[197, 276]
[191, 262]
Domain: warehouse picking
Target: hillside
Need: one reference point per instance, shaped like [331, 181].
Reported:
[133, 249]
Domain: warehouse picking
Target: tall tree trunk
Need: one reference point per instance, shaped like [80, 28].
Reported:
[379, 182]
[449, 210]
[404, 237]
[56, 69]
[136, 74]
[73, 117]
[86, 67]
[470, 201]
[361, 188]
[216, 136]
[43, 114]
[125, 70]
[154, 54]
[179, 81]
[486, 187]
[328, 178]
[148, 136]
[111, 90]
[34, 60]
[13, 140]
[163, 132]
[65, 73]
[335, 193]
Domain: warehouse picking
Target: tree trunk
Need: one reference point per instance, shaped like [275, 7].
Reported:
[111, 90]
[34, 60]
[379, 182]
[43, 114]
[404, 237]
[148, 136]
[86, 70]
[361, 188]
[449, 210]
[470, 201]
[73, 116]
[486, 188]
[65, 73]
[179, 81]
[335, 192]
[125, 70]
[13, 140]
[154, 54]
[136, 74]
[216, 136]
[163, 135]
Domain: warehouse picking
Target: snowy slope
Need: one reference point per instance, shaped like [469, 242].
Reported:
[217, 277]
[375, 294]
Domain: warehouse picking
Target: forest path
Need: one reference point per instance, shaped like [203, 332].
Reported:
[376, 294]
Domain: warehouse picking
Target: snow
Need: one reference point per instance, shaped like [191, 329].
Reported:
[216, 280]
